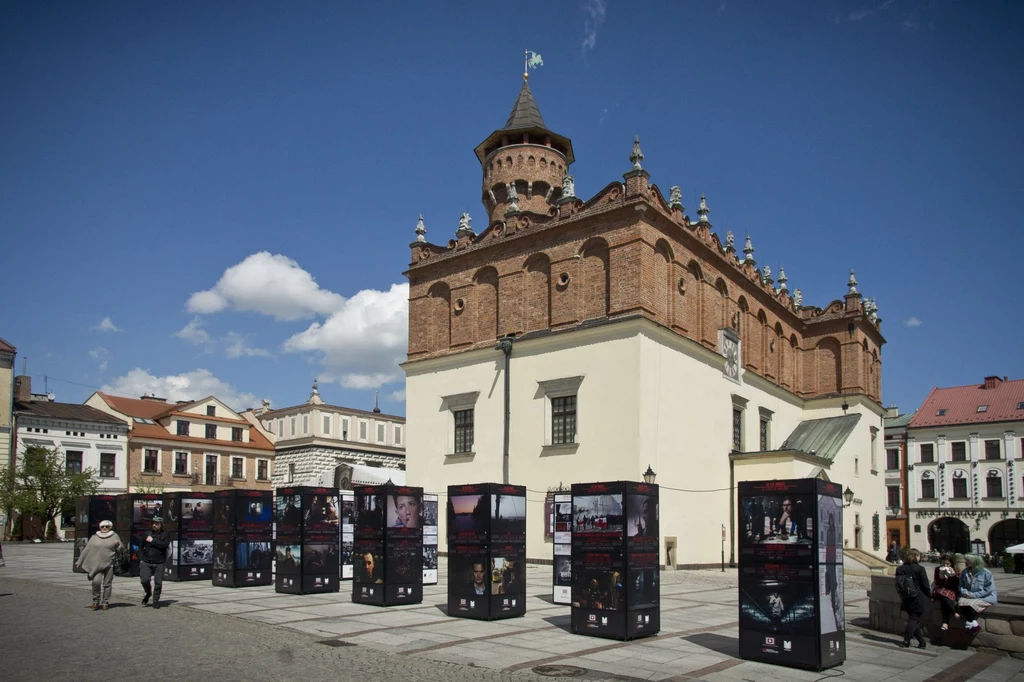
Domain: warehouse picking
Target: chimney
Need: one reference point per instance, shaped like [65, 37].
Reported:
[992, 382]
[153, 398]
[892, 412]
[23, 388]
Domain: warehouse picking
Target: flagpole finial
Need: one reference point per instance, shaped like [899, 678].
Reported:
[526, 66]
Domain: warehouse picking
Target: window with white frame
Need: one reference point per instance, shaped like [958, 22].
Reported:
[398, 436]
[262, 469]
[874, 450]
[108, 462]
[892, 459]
[238, 467]
[459, 409]
[150, 460]
[994, 484]
[380, 434]
[292, 425]
[739, 406]
[344, 428]
[305, 424]
[561, 411]
[765, 429]
[180, 463]
[291, 473]
[364, 427]
[327, 424]
[928, 486]
[73, 461]
[280, 427]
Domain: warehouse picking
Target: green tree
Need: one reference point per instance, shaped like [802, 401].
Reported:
[42, 486]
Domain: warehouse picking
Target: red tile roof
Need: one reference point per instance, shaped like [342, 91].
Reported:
[961, 404]
[148, 409]
[6, 347]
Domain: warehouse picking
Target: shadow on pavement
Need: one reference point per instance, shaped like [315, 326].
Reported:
[729, 646]
[563, 622]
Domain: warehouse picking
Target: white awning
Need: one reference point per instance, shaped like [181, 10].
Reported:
[1016, 549]
[367, 475]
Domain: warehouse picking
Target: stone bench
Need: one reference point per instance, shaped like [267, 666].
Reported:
[1002, 625]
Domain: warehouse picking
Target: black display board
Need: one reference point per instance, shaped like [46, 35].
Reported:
[188, 518]
[135, 512]
[348, 525]
[486, 551]
[429, 539]
[616, 588]
[242, 533]
[561, 521]
[388, 543]
[307, 549]
[89, 511]
[791, 573]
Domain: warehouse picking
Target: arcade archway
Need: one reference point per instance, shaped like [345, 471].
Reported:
[1006, 533]
[949, 535]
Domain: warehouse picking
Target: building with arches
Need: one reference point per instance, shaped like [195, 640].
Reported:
[635, 337]
[964, 446]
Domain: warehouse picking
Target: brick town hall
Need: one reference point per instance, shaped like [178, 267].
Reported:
[636, 338]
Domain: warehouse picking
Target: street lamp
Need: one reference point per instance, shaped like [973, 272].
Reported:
[848, 496]
[649, 475]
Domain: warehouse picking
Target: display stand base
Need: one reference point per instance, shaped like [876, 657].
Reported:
[477, 608]
[380, 594]
[616, 625]
[243, 578]
[309, 584]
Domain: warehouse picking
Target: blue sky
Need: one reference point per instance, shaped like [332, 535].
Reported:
[232, 187]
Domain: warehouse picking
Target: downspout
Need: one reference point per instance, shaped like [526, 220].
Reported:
[505, 346]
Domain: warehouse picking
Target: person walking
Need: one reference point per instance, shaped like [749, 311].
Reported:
[97, 560]
[152, 561]
[915, 597]
[977, 591]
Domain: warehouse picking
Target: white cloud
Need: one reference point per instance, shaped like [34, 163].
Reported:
[192, 385]
[237, 347]
[594, 11]
[912, 322]
[866, 12]
[193, 332]
[364, 340]
[106, 325]
[270, 284]
[102, 356]
[398, 396]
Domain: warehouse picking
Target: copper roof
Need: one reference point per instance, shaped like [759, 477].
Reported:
[1003, 401]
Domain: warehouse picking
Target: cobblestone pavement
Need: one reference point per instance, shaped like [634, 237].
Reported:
[257, 633]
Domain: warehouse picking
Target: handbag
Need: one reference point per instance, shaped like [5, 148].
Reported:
[122, 564]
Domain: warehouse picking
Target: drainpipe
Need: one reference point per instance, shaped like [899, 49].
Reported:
[505, 346]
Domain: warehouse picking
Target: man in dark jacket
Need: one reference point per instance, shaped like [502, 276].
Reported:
[152, 560]
[913, 575]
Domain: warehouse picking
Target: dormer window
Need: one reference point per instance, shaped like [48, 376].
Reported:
[941, 413]
[982, 408]
[1020, 406]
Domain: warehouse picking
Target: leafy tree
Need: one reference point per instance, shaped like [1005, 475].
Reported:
[42, 486]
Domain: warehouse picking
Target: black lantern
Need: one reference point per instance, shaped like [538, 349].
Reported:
[649, 475]
[848, 496]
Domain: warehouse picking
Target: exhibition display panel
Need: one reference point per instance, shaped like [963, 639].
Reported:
[89, 511]
[242, 533]
[308, 541]
[188, 518]
[135, 512]
[388, 543]
[615, 576]
[791, 573]
[429, 539]
[486, 551]
[348, 520]
[561, 521]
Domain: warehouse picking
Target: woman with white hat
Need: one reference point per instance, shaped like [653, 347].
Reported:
[97, 560]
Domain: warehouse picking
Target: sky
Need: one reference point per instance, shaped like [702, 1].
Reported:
[218, 198]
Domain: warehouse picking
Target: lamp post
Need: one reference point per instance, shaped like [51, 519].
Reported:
[505, 346]
[649, 475]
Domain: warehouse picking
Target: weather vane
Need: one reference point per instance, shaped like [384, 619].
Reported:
[533, 60]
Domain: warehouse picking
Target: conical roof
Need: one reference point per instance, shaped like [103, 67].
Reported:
[525, 113]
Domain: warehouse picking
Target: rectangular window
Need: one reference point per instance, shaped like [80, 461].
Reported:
[928, 488]
[892, 459]
[211, 470]
[363, 426]
[150, 460]
[959, 488]
[182, 427]
[211, 431]
[292, 425]
[893, 492]
[73, 461]
[856, 466]
[237, 470]
[994, 486]
[236, 434]
[763, 435]
[959, 451]
[305, 424]
[380, 433]
[262, 470]
[398, 436]
[327, 424]
[280, 428]
[211, 410]
[180, 463]
[463, 431]
[291, 473]
[344, 428]
[107, 465]
[737, 429]
[874, 449]
[992, 449]
[927, 453]
[563, 420]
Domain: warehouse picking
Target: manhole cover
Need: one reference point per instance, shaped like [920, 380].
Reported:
[336, 642]
[560, 670]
